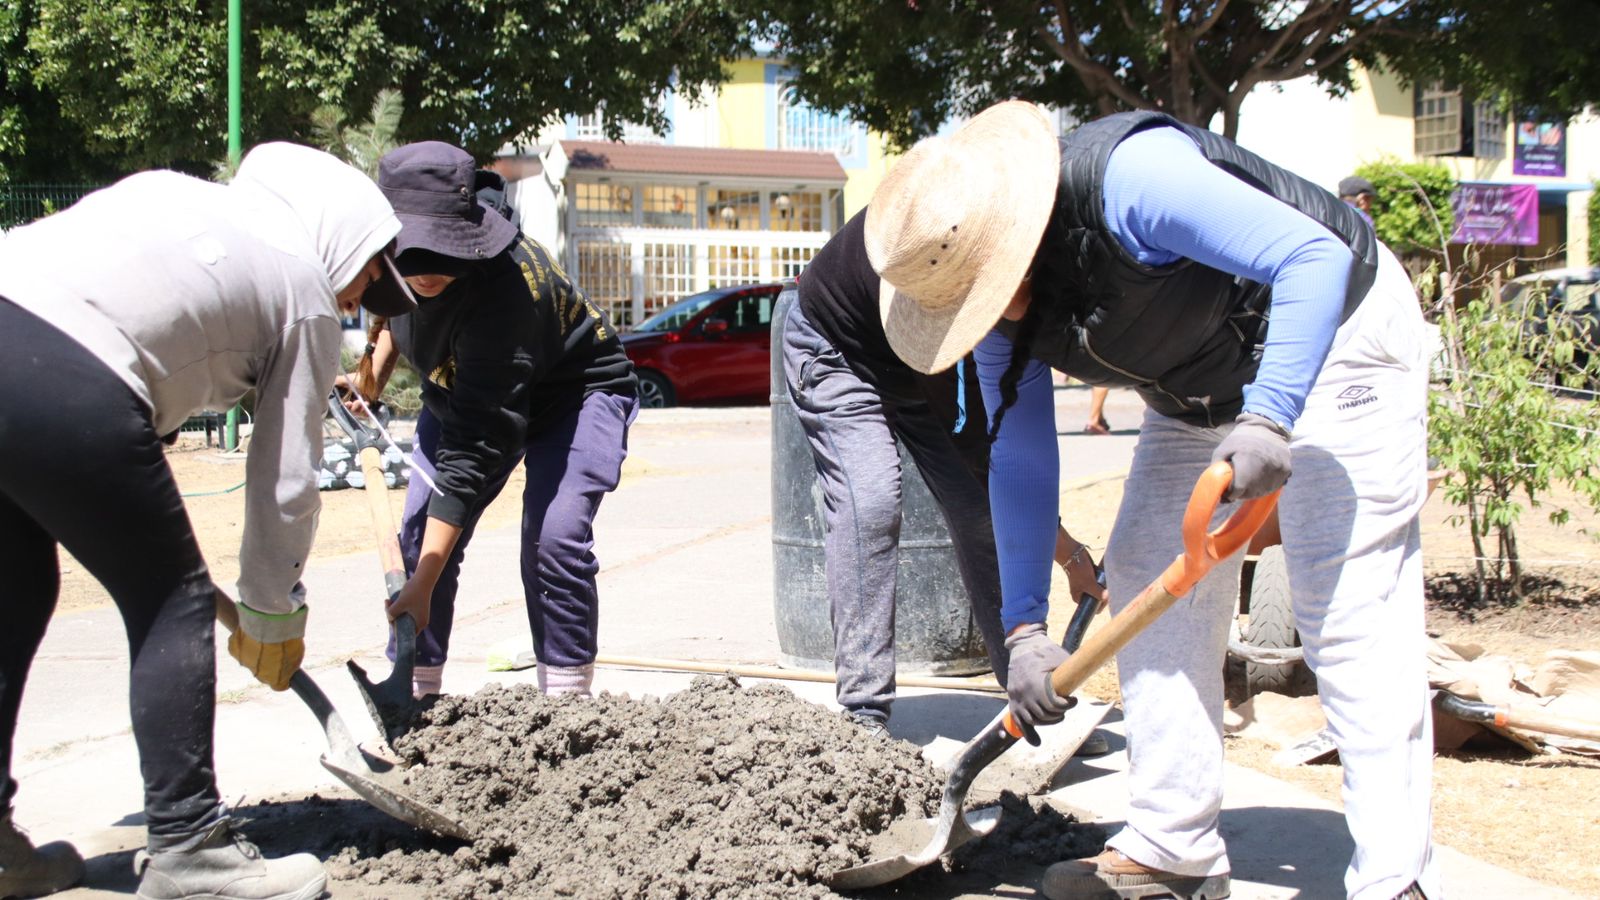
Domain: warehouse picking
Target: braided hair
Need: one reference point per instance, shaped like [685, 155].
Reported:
[367, 380]
[1021, 352]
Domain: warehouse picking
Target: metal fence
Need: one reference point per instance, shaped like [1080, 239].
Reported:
[22, 203]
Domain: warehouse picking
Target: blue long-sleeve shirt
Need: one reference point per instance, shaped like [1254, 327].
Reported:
[1165, 202]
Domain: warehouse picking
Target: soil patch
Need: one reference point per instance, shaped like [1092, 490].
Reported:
[716, 791]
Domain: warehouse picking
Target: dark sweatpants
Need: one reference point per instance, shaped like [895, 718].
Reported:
[852, 427]
[570, 467]
[81, 466]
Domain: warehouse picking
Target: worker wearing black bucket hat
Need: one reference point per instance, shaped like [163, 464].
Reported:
[517, 366]
[120, 317]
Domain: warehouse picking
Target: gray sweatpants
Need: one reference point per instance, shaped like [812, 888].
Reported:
[852, 426]
[1352, 544]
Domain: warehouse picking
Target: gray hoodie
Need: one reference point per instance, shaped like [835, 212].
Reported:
[194, 293]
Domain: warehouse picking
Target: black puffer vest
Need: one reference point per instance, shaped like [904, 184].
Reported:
[1186, 336]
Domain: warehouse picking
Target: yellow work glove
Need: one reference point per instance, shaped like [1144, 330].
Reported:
[271, 647]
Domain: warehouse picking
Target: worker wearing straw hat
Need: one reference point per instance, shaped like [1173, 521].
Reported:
[1140, 252]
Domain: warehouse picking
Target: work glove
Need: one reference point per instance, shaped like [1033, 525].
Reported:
[270, 646]
[1032, 700]
[1258, 449]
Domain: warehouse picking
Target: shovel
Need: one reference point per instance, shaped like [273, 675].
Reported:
[922, 841]
[374, 780]
[390, 701]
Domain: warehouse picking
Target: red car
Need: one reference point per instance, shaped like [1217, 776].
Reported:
[711, 347]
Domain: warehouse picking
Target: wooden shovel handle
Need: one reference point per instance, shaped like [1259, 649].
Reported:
[383, 530]
[1202, 550]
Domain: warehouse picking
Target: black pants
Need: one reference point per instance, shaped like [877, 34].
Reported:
[82, 466]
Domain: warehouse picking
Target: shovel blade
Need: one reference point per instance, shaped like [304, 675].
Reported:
[384, 787]
[920, 842]
[390, 701]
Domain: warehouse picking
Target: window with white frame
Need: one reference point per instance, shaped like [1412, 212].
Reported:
[602, 204]
[669, 206]
[592, 127]
[801, 127]
[734, 210]
[1449, 122]
[1437, 125]
[794, 210]
[1489, 130]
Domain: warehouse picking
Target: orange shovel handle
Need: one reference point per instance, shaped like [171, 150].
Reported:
[1202, 550]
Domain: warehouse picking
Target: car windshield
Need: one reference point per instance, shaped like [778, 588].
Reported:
[675, 316]
[1538, 298]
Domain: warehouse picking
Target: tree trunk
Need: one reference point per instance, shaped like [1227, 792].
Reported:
[1478, 555]
[1508, 549]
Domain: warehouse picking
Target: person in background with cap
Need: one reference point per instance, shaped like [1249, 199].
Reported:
[517, 366]
[1136, 250]
[1359, 193]
[855, 399]
[120, 317]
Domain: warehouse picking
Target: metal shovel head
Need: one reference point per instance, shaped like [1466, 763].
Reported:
[910, 844]
[390, 701]
[383, 785]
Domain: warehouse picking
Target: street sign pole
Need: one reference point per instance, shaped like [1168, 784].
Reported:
[230, 434]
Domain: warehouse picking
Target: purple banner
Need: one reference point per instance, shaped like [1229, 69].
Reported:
[1541, 149]
[1496, 213]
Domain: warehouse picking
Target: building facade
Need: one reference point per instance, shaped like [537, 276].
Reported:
[1297, 125]
[744, 186]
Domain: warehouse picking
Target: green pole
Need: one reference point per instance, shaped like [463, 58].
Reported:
[230, 434]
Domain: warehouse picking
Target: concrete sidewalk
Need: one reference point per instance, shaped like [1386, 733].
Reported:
[687, 574]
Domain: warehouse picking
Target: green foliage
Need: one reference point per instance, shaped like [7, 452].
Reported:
[1594, 224]
[1412, 212]
[361, 145]
[1504, 434]
[136, 84]
[1538, 54]
[907, 66]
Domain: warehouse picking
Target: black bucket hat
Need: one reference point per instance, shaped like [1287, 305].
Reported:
[431, 186]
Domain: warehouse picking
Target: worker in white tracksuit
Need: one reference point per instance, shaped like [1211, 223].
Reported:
[1136, 251]
[120, 317]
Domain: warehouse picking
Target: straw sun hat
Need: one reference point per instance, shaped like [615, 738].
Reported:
[953, 229]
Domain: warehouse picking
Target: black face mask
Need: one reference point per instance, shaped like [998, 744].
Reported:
[418, 261]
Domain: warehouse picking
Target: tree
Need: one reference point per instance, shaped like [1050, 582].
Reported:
[1536, 55]
[1594, 224]
[906, 66]
[365, 144]
[141, 81]
[1502, 431]
[1412, 214]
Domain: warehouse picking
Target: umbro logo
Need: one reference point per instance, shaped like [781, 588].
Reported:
[1356, 395]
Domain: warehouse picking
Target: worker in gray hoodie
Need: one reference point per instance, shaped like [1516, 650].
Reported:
[120, 317]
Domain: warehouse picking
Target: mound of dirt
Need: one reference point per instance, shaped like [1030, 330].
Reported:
[714, 792]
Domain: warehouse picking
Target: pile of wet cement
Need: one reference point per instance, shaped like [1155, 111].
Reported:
[714, 792]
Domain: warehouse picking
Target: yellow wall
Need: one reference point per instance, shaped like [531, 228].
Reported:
[742, 106]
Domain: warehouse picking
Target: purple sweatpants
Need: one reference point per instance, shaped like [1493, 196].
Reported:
[571, 466]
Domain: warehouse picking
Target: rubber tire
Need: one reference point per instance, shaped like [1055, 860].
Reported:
[655, 391]
[1272, 626]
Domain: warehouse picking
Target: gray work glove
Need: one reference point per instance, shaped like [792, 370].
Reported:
[1032, 700]
[1258, 448]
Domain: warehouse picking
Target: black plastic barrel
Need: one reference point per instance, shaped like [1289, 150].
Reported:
[934, 630]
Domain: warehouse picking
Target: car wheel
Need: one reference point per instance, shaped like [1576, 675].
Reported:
[655, 391]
